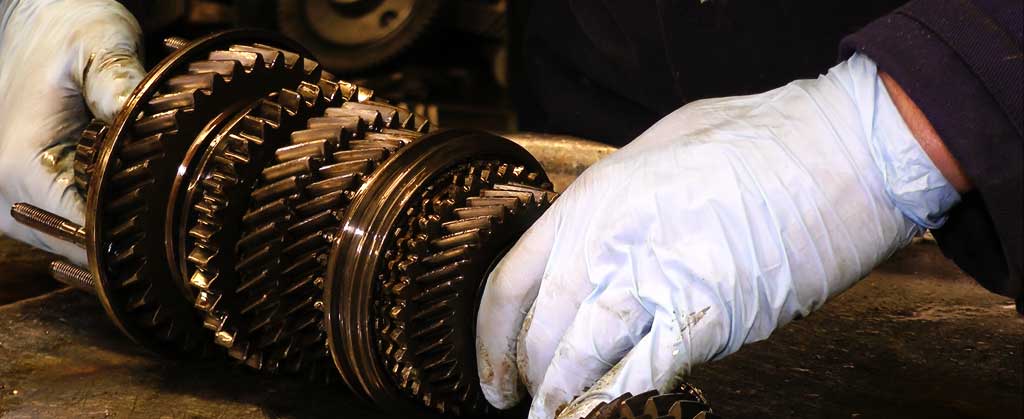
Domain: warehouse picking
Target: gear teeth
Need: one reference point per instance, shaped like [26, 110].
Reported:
[183, 98]
[171, 101]
[292, 218]
[85, 153]
[146, 147]
[392, 116]
[456, 224]
[247, 60]
[354, 122]
[685, 403]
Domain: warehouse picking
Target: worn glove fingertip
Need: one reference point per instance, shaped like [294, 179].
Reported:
[110, 81]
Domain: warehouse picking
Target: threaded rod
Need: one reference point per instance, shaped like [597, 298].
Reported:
[49, 223]
[73, 276]
[175, 43]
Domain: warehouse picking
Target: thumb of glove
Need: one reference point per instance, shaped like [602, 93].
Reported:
[109, 63]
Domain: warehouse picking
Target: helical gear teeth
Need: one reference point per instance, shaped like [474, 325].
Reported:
[426, 294]
[180, 104]
[293, 213]
[687, 402]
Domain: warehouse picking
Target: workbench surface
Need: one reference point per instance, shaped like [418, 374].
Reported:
[917, 339]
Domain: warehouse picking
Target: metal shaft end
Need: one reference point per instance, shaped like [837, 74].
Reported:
[175, 43]
[48, 223]
[73, 276]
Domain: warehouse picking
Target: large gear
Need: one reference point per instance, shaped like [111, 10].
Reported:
[85, 153]
[185, 100]
[262, 307]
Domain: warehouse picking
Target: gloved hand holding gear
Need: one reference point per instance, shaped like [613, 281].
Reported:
[61, 60]
[721, 223]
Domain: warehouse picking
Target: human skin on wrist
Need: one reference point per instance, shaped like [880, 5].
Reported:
[926, 136]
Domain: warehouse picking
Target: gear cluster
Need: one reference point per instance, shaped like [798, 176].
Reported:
[247, 205]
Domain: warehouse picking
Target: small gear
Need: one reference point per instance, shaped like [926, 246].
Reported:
[85, 153]
[687, 402]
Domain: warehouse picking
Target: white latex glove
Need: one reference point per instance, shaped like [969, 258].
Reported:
[724, 221]
[57, 57]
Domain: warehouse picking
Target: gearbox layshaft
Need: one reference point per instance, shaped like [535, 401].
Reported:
[247, 205]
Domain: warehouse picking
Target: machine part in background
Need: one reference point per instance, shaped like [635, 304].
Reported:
[687, 402]
[355, 35]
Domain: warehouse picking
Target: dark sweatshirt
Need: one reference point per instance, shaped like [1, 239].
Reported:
[961, 63]
[607, 70]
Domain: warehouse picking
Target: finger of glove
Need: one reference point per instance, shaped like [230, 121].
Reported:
[109, 62]
[564, 289]
[604, 330]
[592, 252]
[659, 361]
[509, 293]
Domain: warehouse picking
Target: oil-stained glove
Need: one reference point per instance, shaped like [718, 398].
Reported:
[724, 221]
[59, 60]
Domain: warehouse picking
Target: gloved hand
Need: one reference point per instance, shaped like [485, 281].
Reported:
[59, 57]
[724, 221]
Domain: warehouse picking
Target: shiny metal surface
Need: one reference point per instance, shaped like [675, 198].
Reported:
[48, 223]
[564, 157]
[73, 276]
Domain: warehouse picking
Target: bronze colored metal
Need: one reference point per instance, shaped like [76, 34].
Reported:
[214, 236]
[275, 268]
[48, 223]
[175, 43]
[405, 272]
[73, 276]
[687, 402]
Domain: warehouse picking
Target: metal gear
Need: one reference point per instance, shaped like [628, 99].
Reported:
[407, 267]
[245, 197]
[687, 402]
[85, 153]
[217, 196]
[127, 168]
[355, 35]
[260, 297]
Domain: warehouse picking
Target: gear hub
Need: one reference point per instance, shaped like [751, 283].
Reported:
[245, 203]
